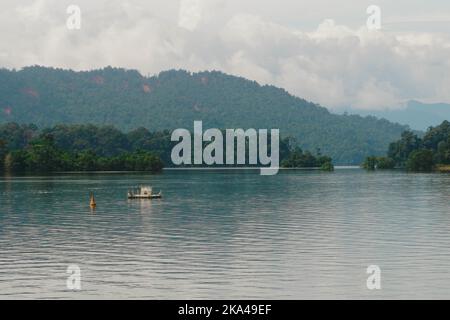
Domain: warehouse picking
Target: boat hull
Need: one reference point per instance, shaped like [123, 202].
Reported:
[153, 196]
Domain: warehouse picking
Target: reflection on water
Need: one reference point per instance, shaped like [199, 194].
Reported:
[226, 234]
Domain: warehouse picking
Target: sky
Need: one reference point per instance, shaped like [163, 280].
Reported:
[320, 50]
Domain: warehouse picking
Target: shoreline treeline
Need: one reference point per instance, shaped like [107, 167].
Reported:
[420, 154]
[105, 148]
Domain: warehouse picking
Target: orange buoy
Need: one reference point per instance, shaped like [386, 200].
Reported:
[92, 202]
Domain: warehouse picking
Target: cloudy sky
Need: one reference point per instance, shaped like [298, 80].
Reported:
[320, 50]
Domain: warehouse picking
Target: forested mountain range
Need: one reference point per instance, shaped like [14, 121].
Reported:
[174, 99]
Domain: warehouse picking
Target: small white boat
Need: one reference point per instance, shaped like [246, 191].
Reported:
[144, 193]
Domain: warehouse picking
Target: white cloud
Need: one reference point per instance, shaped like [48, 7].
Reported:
[190, 14]
[335, 64]
[34, 11]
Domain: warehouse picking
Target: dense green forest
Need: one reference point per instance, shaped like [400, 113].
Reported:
[24, 148]
[105, 148]
[174, 99]
[431, 152]
[295, 157]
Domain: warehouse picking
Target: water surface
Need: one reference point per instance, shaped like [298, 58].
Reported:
[227, 234]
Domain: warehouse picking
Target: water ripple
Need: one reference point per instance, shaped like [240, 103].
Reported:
[231, 235]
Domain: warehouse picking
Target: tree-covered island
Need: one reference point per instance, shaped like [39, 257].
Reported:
[419, 154]
[25, 148]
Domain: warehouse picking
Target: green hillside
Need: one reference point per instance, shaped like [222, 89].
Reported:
[174, 99]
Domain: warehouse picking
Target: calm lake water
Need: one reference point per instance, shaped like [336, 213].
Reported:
[227, 234]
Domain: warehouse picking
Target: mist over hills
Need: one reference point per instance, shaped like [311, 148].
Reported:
[417, 115]
[174, 99]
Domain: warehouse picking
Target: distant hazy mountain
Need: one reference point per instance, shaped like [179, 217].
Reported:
[417, 115]
[174, 99]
